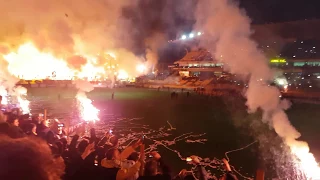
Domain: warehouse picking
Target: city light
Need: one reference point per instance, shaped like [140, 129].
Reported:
[183, 37]
[199, 33]
[191, 35]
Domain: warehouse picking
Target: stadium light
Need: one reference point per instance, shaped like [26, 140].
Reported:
[199, 33]
[191, 35]
[183, 37]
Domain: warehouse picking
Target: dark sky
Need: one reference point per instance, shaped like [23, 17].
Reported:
[266, 11]
[174, 17]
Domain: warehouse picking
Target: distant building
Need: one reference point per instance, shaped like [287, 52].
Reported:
[198, 64]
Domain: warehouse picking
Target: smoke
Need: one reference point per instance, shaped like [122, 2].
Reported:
[55, 26]
[69, 31]
[76, 62]
[7, 81]
[153, 44]
[227, 35]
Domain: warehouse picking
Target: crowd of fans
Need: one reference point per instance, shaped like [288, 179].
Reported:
[29, 149]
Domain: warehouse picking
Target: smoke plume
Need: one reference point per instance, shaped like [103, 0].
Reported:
[153, 44]
[227, 35]
[56, 26]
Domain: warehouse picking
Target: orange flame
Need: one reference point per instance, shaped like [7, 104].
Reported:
[23, 103]
[87, 111]
[307, 162]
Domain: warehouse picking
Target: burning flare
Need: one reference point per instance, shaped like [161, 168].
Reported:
[88, 112]
[306, 161]
[21, 94]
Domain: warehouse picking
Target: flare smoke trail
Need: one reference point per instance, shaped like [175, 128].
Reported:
[227, 34]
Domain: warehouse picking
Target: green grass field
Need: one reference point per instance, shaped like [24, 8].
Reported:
[224, 120]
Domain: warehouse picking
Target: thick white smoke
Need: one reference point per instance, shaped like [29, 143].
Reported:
[227, 35]
[153, 44]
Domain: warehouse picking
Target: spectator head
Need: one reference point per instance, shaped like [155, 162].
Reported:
[41, 117]
[35, 156]
[133, 156]
[31, 129]
[13, 120]
[151, 168]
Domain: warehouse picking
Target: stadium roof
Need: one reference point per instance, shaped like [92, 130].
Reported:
[196, 57]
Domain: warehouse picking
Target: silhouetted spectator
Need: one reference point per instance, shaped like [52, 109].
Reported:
[14, 131]
[156, 169]
[31, 129]
[26, 158]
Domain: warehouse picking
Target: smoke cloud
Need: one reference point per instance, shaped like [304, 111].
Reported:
[76, 62]
[56, 26]
[153, 44]
[227, 35]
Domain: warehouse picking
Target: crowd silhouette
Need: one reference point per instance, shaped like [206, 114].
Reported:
[31, 149]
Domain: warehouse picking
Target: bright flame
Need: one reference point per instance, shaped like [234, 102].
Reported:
[87, 111]
[141, 68]
[122, 74]
[112, 55]
[307, 162]
[23, 102]
[29, 63]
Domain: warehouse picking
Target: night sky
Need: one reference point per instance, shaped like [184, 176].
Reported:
[175, 17]
[267, 11]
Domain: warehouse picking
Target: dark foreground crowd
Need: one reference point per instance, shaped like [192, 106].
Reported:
[29, 149]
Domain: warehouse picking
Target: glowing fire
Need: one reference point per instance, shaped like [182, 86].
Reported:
[122, 74]
[307, 162]
[87, 111]
[29, 63]
[141, 68]
[23, 103]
